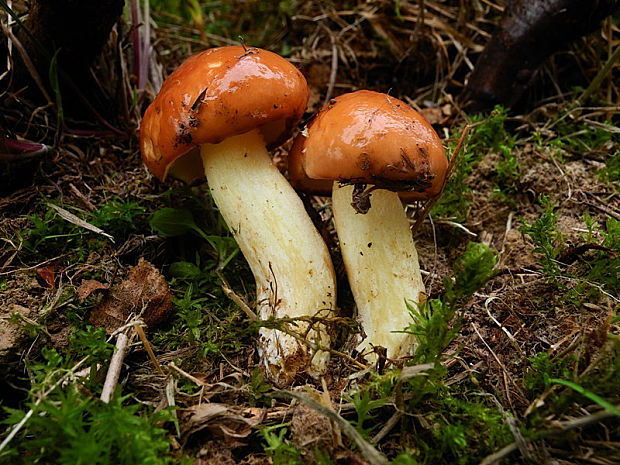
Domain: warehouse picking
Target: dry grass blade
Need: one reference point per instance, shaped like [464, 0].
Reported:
[71, 218]
[28, 63]
[149, 349]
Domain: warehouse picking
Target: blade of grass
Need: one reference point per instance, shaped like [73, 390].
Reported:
[53, 77]
[146, 44]
[589, 394]
[596, 82]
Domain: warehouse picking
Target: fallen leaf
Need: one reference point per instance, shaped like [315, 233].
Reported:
[433, 115]
[46, 273]
[222, 419]
[144, 293]
[89, 286]
[438, 116]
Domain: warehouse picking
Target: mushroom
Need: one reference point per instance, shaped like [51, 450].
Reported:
[365, 145]
[215, 116]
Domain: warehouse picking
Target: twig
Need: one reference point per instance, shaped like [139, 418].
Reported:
[561, 427]
[146, 44]
[16, 270]
[195, 380]
[232, 295]
[389, 425]
[114, 371]
[500, 454]
[9, 42]
[327, 401]
[134, 7]
[487, 303]
[603, 208]
[82, 198]
[334, 66]
[71, 218]
[17, 249]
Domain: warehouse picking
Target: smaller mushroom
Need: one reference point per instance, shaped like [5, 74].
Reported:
[214, 117]
[368, 148]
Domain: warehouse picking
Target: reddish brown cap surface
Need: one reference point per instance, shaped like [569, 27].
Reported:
[216, 94]
[370, 138]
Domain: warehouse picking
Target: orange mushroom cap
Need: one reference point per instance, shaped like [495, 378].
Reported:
[366, 137]
[216, 94]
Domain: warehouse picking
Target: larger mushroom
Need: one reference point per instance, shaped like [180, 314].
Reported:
[215, 116]
[369, 148]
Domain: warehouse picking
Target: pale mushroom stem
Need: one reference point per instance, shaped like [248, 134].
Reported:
[382, 267]
[290, 262]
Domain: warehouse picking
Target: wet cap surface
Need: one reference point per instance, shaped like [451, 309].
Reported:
[370, 138]
[219, 93]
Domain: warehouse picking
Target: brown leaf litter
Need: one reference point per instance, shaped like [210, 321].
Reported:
[144, 294]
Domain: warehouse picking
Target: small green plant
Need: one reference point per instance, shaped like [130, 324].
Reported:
[91, 341]
[488, 133]
[69, 428]
[363, 407]
[50, 233]
[602, 268]
[201, 276]
[471, 272]
[118, 216]
[454, 202]
[200, 321]
[404, 458]
[322, 457]
[171, 222]
[470, 424]
[575, 372]
[545, 235]
[542, 369]
[492, 134]
[259, 387]
[452, 437]
[70, 425]
[190, 313]
[276, 447]
[584, 138]
[611, 172]
[433, 323]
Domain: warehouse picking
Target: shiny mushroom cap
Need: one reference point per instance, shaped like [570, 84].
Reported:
[216, 94]
[367, 137]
